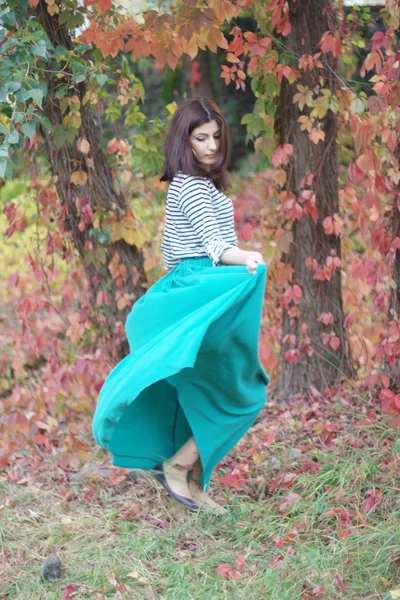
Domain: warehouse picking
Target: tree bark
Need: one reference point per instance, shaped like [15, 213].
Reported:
[99, 191]
[321, 366]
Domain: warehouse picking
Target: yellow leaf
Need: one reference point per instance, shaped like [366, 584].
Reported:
[171, 108]
[91, 97]
[116, 231]
[84, 146]
[128, 223]
[394, 594]
[232, 57]
[305, 123]
[129, 236]
[136, 575]
[140, 238]
[122, 302]
[53, 10]
[78, 177]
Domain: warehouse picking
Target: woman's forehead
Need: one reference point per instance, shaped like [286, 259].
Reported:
[207, 128]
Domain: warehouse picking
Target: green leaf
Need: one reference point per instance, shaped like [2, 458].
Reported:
[40, 48]
[61, 135]
[29, 129]
[4, 150]
[44, 121]
[7, 18]
[13, 138]
[61, 91]
[71, 20]
[23, 95]
[3, 93]
[101, 79]
[3, 167]
[13, 86]
[247, 119]
[357, 106]
[82, 47]
[78, 78]
[37, 96]
[61, 51]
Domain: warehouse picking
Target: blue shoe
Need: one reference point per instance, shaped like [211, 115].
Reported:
[182, 499]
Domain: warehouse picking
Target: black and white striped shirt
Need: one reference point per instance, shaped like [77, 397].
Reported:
[199, 221]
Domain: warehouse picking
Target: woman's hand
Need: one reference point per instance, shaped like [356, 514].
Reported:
[254, 259]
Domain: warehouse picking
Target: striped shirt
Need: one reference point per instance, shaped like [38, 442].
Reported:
[199, 221]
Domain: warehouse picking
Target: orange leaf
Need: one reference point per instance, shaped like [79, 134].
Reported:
[104, 5]
[283, 273]
[112, 146]
[316, 135]
[33, 3]
[78, 177]
[282, 154]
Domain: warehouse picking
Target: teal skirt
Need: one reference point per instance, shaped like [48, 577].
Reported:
[193, 368]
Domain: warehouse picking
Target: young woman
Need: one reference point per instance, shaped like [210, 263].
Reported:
[192, 384]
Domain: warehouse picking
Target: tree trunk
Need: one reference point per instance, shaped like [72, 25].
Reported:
[99, 191]
[204, 88]
[319, 364]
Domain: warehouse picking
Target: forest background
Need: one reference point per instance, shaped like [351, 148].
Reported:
[311, 95]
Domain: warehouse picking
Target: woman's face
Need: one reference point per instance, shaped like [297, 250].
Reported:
[205, 142]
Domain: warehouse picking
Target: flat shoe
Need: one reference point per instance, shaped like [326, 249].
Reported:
[182, 499]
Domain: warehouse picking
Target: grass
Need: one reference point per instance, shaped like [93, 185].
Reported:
[301, 523]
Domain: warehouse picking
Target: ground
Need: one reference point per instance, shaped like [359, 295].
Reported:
[313, 512]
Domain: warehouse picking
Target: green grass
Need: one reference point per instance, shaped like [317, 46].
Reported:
[131, 531]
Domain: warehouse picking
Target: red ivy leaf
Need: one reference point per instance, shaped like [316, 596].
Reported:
[68, 591]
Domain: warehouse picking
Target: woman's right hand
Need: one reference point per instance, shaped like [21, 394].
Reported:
[254, 259]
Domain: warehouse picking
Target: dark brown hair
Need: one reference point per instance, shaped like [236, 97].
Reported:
[177, 150]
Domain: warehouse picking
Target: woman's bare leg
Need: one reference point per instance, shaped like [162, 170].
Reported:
[197, 492]
[177, 467]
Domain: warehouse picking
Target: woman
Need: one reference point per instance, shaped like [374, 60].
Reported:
[192, 384]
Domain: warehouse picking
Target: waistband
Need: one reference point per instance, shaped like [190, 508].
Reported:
[188, 262]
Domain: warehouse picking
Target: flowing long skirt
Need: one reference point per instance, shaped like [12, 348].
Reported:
[193, 368]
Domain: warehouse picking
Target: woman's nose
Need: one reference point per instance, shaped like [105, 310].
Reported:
[212, 145]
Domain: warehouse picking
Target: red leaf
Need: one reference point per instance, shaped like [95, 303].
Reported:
[104, 5]
[297, 294]
[319, 591]
[369, 503]
[235, 574]
[112, 146]
[292, 356]
[232, 480]
[3, 460]
[334, 343]
[41, 439]
[224, 570]
[240, 562]
[269, 438]
[291, 500]
[68, 591]
[246, 232]
[339, 582]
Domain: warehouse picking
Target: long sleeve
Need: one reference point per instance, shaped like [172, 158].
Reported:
[196, 204]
